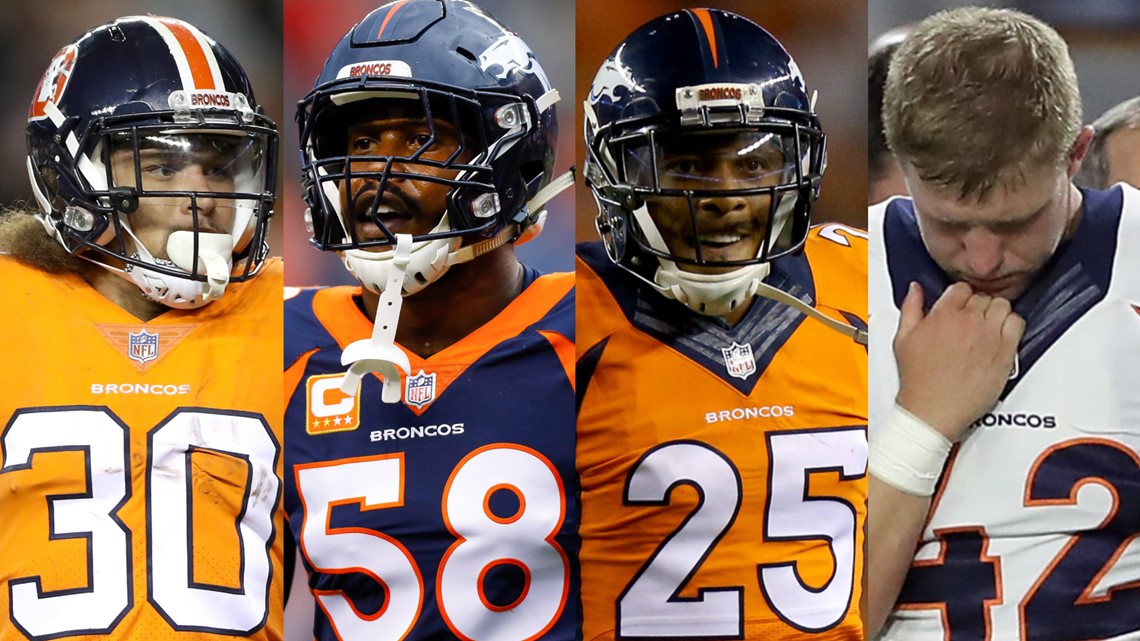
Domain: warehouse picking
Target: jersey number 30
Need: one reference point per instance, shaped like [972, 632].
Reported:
[172, 590]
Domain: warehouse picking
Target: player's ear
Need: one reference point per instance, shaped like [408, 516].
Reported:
[1080, 149]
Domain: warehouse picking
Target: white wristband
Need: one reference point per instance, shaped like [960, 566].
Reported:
[908, 454]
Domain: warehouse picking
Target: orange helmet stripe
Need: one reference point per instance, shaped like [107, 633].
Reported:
[199, 64]
[391, 12]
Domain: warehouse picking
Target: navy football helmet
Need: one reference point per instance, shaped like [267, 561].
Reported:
[453, 65]
[695, 117]
[119, 118]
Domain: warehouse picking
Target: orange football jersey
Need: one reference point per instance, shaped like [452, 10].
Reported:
[723, 469]
[140, 464]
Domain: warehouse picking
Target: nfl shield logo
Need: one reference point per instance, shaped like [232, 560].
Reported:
[739, 360]
[142, 347]
[420, 389]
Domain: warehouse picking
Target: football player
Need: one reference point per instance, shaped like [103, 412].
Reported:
[1113, 155]
[430, 411]
[723, 473]
[883, 176]
[1005, 489]
[139, 465]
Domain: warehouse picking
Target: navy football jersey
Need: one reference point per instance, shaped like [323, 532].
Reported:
[452, 514]
[1032, 532]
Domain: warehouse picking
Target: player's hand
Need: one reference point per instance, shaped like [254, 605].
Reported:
[954, 362]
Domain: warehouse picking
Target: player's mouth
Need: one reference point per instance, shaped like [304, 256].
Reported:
[391, 212]
[203, 226]
[991, 286]
[722, 246]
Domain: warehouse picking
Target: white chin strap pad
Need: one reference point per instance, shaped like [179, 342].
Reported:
[708, 294]
[428, 260]
[214, 253]
[711, 294]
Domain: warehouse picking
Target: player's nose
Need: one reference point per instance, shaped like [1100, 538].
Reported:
[195, 179]
[984, 252]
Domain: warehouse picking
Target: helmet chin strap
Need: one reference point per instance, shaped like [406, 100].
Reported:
[719, 294]
[380, 353]
[430, 259]
[850, 331]
[708, 294]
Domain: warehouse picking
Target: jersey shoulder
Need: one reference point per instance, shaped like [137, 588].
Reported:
[306, 314]
[1124, 208]
[607, 296]
[551, 298]
[255, 302]
[22, 284]
[837, 255]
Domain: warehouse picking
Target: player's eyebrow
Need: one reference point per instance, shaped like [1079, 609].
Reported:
[1012, 224]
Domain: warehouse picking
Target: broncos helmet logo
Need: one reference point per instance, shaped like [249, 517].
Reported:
[53, 82]
[609, 78]
[509, 53]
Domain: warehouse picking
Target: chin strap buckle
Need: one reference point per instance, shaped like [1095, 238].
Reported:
[380, 353]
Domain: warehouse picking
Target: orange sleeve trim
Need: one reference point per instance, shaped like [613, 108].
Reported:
[598, 314]
[337, 312]
[564, 348]
[530, 306]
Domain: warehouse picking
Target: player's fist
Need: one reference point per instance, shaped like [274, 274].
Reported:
[954, 361]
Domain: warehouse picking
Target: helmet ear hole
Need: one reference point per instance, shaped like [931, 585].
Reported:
[532, 173]
[48, 182]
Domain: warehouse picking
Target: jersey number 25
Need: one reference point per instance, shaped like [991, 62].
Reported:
[650, 606]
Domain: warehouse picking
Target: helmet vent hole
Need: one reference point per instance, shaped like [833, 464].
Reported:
[466, 54]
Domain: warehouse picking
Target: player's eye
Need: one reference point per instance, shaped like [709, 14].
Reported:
[159, 170]
[687, 166]
[754, 165]
[362, 145]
